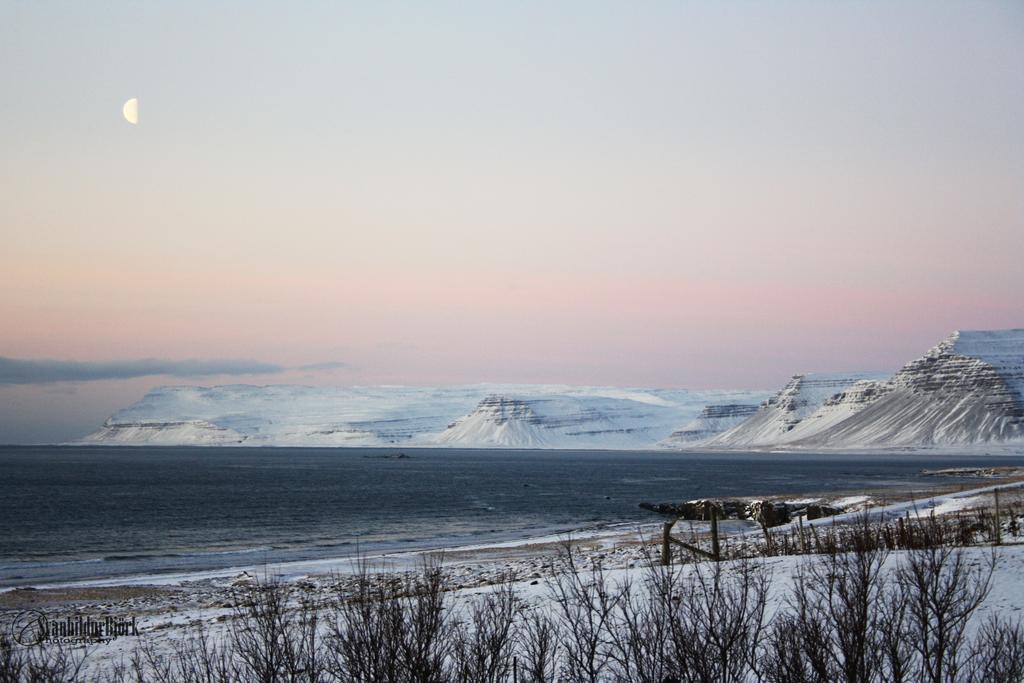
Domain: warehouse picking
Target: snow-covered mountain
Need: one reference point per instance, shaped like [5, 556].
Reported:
[286, 415]
[713, 420]
[476, 416]
[967, 390]
[785, 416]
[164, 433]
[568, 421]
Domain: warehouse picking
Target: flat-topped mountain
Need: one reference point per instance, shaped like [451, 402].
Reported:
[474, 416]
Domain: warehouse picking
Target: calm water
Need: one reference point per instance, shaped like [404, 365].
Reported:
[74, 513]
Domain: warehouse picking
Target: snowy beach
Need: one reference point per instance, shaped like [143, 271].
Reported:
[168, 608]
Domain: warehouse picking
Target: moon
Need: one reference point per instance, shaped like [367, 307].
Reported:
[131, 111]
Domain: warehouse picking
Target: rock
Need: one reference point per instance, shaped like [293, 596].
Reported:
[819, 510]
[768, 513]
[700, 509]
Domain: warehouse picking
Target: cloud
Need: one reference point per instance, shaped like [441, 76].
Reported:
[328, 365]
[43, 371]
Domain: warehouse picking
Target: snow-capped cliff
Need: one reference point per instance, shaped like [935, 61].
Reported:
[164, 433]
[713, 420]
[781, 418]
[967, 390]
[511, 416]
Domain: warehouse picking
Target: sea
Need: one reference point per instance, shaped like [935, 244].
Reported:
[76, 513]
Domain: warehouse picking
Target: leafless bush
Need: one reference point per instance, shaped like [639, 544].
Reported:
[274, 640]
[196, 658]
[895, 649]
[366, 635]
[539, 648]
[583, 601]
[786, 657]
[640, 628]
[998, 655]
[485, 645]
[835, 611]
[428, 638]
[718, 621]
[943, 590]
[42, 663]
[397, 630]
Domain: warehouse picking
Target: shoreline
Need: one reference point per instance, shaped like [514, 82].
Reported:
[986, 449]
[169, 610]
[518, 546]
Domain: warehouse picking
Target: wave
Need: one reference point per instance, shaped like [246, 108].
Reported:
[33, 564]
[19, 564]
[187, 555]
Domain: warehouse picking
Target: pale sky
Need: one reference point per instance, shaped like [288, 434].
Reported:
[672, 194]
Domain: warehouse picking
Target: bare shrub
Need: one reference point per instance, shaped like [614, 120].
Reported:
[718, 621]
[640, 628]
[272, 639]
[998, 652]
[539, 647]
[485, 645]
[896, 652]
[583, 603]
[427, 641]
[943, 590]
[393, 630]
[784, 655]
[800, 640]
[838, 603]
[42, 663]
[196, 658]
[365, 640]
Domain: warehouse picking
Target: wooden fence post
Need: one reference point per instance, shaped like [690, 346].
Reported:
[714, 535]
[666, 552]
[999, 530]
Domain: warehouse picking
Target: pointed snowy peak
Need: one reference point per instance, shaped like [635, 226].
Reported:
[965, 390]
[778, 417]
[498, 421]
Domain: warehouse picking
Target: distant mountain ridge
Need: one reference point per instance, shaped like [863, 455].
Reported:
[967, 390]
[474, 416]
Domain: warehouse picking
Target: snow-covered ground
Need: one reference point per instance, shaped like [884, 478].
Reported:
[168, 606]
